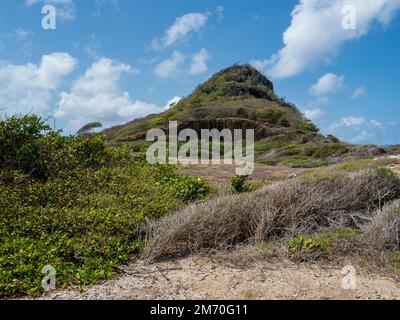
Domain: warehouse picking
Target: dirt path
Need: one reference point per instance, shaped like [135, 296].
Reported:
[205, 278]
[221, 174]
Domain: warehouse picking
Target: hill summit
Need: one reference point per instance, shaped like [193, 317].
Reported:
[237, 81]
[238, 96]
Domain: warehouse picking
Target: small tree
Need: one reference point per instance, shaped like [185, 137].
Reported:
[239, 184]
[88, 129]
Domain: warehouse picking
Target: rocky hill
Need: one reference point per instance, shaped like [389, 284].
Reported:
[240, 97]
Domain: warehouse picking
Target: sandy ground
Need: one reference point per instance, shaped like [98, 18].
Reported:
[222, 174]
[206, 278]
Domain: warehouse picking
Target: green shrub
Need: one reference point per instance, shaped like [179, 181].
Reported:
[239, 184]
[76, 204]
[309, 126]
[306, 244]
[272, 116]
[29, 146]
[322, 241]
[189, 188]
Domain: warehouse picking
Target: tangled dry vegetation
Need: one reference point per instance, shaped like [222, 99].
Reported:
[353, 204]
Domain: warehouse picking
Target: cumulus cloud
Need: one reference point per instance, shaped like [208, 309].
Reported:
[357, 129]
[176, 65]
[180, 30]
[66, 9]
[30, 87]
[328, 83]
[316, 32]
[263, 65]
[96, 96]
[351, 122]
[359, 92]
[172, 103]
[199, 62]
[170, 68]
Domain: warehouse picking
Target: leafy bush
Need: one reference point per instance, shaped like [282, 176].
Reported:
[272, 116]
[189, 188]
[76, 204]
[239, 184]
[309, 126]
[307, 244]
[322, 241]
[28, 145]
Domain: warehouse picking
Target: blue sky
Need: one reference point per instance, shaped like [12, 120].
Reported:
[115, 60]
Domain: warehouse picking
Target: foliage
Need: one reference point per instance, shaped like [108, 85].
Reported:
[239, 184]
[88, 128]
[309, 126]
[306, 244]
[272, 115]
[189, 188]
[76, 204]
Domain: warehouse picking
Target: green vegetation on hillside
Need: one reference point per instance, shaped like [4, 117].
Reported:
[241, 97]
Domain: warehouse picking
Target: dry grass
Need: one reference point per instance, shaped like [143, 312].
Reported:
[383, 233]
[327, 201]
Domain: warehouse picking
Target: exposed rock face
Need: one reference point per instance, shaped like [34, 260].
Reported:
[261, 131]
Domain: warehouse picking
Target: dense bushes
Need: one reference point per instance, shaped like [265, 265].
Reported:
[29, 146]
[76, 204]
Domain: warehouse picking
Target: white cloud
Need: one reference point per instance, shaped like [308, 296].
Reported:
[359, 92]
[29, 87]
[199, 62]
[356, 121]
[328, 83]
[182, 29]
[263, 65]
[66, 9]
[376, 124]
[96, 96]
[176, 65]
[93, 47]
[314, 114]
[172, 102]
[170, 68]
[357, 130]
[22, 34]
[352, 121]
[220, 13]
[316, 33]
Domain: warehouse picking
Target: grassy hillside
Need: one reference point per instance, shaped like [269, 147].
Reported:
[238, 92]
[240, 96]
